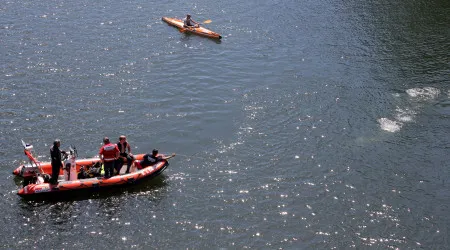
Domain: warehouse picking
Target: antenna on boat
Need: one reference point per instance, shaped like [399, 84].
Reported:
[74, 150]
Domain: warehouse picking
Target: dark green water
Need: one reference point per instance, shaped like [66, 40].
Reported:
[311, 125]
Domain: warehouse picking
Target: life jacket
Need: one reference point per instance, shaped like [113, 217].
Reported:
[119, 145]
[109, 152]
[138, 165]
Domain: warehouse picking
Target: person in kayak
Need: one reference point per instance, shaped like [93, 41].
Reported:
[188, 22]
[125, 154]
[151, 159]
[56, 155]
[108, 153]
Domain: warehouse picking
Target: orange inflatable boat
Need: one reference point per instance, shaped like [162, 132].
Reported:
[198, 31]
[78, 175]
[42, 189]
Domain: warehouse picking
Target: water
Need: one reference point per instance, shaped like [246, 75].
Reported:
[311, 125]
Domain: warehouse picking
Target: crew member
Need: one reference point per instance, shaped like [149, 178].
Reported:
[125, 154]
[55, 154]
[109, 153]
[151, 159]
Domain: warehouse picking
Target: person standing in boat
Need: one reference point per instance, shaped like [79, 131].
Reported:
[151, 159]
[56, 155]
[109, 153]
[125, 154]
[188, 22]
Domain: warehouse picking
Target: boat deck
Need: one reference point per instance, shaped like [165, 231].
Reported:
[123, 169]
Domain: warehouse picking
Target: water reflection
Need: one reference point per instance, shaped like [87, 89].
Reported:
[93, 213]
[188, 37]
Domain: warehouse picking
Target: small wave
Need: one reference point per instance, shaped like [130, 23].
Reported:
[404, 115]
[401, 116]
[423, 93]
[389, 125]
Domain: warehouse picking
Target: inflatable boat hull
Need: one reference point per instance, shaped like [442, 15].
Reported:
[67, 187]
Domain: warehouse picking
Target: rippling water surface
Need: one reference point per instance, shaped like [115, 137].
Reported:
[311, 125]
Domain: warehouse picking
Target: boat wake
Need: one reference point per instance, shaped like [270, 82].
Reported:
[405, 115]
[427, 93]
[389, 125]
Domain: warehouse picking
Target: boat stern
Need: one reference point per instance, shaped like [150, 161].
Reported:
[26, 171]
[18, 170]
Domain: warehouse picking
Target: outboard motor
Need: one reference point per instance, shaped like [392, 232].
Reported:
[31, 169]
[70, 167]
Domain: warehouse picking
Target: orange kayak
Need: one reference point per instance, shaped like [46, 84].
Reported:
[29, 170]
[65, 187]
[198, 31]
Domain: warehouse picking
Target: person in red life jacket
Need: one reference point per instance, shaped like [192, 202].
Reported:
[55, 154]
[109, 153]
[151, 159]
[125, 154]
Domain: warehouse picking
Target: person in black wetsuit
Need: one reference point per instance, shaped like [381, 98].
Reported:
[55, 154]
[151, 159]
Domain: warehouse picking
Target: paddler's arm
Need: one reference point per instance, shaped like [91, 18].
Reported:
[197, 25]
